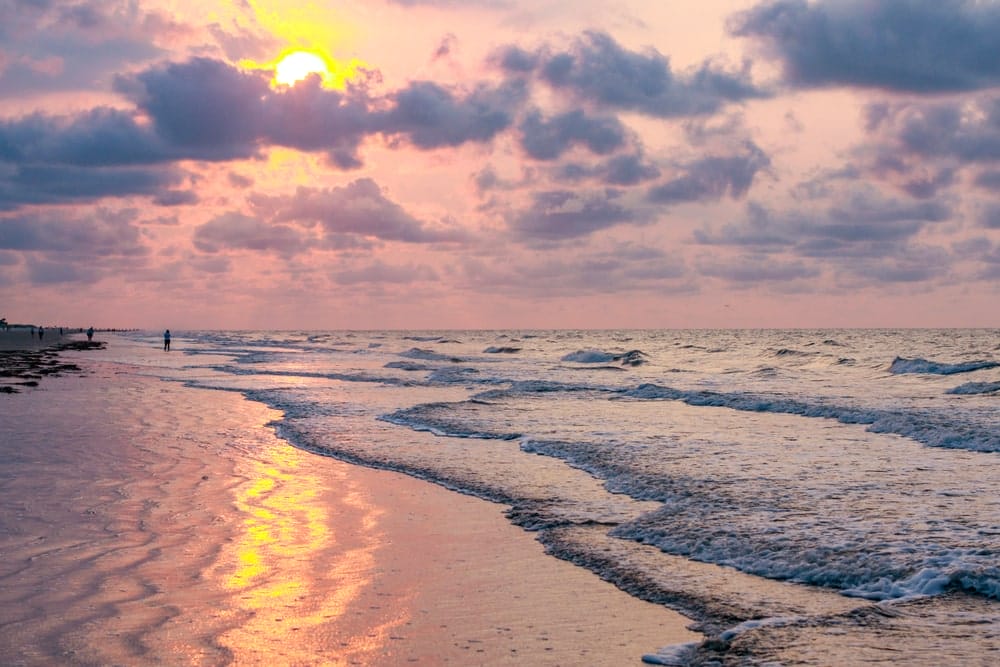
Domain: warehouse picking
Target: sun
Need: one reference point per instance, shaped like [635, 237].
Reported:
[297, 65]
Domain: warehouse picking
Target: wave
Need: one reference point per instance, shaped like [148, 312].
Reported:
[975, 388]
[501, 350]
[630, 358]
[428, 355]
[344, 377]
[929, 429]
[407, 366]
[901, 365]
[788, 352]
[445, 420]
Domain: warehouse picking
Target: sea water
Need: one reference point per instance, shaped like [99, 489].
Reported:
[808, 497]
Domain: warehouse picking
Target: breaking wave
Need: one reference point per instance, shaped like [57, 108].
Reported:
[900, 366]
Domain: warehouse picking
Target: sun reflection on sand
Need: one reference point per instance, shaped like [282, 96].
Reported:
[299, 561]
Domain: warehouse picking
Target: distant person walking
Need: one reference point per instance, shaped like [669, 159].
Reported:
[41, 333]
[90, 333]
[166, 340]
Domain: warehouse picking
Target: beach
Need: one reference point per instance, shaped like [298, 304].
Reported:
[149, 522]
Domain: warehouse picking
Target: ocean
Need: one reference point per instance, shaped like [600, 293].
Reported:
[808, 497]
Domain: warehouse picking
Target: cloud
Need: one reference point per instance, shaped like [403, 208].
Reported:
[864, 219]
[629, 169]
[431, 116]
[967, 130]
[869, 238]
[204, 109]
[21, 186]
[557, 215]
[547, 139]
[45, 272]
[752, 270]
[619, 268]
[65, 46]
[99, 137]
[379, 272]
[210, 109]
[62, 237]
[235, 231]
[176, 198]
[922, 147]
[598, 70]
[990, 218]
[359, 208]
[713, 177]
[904, 45]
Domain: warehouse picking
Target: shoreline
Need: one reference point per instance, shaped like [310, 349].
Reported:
[162, 523]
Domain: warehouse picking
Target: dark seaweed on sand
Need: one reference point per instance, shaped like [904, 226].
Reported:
[24, 368]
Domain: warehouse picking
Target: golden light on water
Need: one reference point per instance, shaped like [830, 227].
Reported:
[293, 580]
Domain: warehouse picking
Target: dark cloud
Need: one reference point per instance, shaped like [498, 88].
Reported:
[430, 116]
[870, 237]
[864, 220]
[359, 208]
[548, 138]
[921, 147]
[902, 264]
[63, 237]
[309, 117]
[967, 130]
[561, 214]
[515, 60]
[869, 241]
[21, 186]
[98, 137]
[235, 231]
[990, 217]
[598, 70]
[629, 169]
[206, 107]
[713, 177]
[176, 198]
[989, 180]
[906, 45]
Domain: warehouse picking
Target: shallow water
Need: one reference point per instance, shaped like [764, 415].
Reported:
[840, 489]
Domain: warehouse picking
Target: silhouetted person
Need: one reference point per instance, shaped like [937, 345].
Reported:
[41, 333]
[90, 333]
[166, 340]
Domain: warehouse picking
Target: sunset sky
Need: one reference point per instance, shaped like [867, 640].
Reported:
[500, 163]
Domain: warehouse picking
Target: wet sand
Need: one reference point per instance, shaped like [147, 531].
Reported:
[150, 523]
